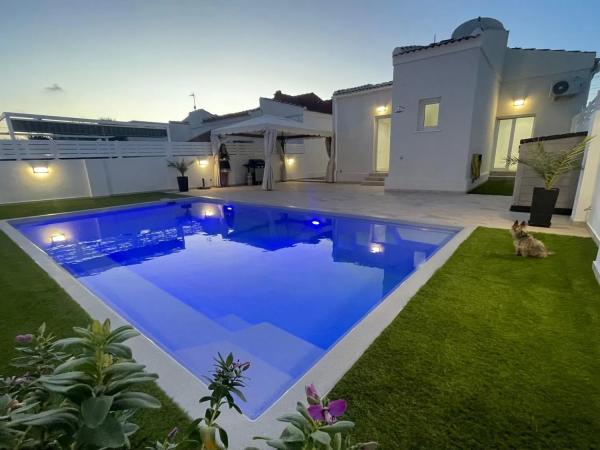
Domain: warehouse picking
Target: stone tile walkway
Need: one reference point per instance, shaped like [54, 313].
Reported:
[424, 207]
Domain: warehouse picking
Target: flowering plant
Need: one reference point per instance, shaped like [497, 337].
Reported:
[316, 427]
[227, 380]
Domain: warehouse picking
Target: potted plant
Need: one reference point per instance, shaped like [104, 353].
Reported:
[550, 166]
[182, 167]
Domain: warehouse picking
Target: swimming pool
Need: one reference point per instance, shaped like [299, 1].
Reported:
[277, 287]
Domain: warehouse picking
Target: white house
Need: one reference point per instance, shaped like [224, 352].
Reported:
[454, 100]
[306, 158]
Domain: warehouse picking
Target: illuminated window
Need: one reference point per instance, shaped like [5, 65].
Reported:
[429, 114]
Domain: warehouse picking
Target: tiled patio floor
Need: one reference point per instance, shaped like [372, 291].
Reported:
[425, 207]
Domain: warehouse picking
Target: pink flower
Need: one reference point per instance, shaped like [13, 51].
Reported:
[329, 413]
[24, 338]
[312, 396]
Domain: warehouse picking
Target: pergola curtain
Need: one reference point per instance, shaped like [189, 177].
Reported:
[215, 143]
[270, 138]
[283, 167]
[330, 173]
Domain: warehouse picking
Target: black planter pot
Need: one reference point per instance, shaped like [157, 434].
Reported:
[542, 206]
[182, 182]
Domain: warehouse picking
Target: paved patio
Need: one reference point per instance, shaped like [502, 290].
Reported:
[425, 207]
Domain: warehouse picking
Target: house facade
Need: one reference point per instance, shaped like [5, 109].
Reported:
[305, 158]
[456, 109]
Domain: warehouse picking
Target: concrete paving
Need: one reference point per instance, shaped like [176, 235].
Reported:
[426, 207]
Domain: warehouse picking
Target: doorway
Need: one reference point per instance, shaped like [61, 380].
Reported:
[383, 128]
[509, 133]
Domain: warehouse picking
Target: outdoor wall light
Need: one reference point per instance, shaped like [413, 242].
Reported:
[39, 170]
[203, 162]
[518, 102]
[381, 109]
[291, 161]
[376, 248]
[57, 237]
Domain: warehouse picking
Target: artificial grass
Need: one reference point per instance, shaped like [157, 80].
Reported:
[28, 297]
[13, 210]
[495, 187]
[495, 351]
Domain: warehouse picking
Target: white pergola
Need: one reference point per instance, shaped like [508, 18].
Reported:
[271, 128]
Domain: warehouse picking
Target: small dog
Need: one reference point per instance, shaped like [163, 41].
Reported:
[525, 244]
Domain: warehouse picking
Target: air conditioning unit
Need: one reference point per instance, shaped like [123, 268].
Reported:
[567, 87]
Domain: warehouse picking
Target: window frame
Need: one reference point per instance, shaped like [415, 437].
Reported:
[421, 115]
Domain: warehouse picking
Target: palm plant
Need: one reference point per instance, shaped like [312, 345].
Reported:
[550, 166]
[182, 166]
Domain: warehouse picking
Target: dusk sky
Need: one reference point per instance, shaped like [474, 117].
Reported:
[141, 59]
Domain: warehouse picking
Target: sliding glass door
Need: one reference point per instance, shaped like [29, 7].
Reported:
[509, 133]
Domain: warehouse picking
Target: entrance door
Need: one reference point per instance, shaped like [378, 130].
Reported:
[382, 144]
[509, 133]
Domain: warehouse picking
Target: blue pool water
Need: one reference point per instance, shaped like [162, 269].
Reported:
[277, 287]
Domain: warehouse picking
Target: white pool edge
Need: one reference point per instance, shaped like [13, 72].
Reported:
[185, 388]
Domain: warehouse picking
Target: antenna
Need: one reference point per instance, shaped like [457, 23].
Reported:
[434, 38]
[194, 97]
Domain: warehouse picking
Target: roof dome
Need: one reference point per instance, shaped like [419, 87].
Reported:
[476, 26]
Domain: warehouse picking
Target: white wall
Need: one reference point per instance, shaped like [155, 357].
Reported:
[530, 74]
[590, 172]
[434, 159]
[66, 178]
[355, 115]
[91, 178]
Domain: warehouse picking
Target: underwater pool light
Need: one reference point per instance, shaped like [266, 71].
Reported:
[315, 222]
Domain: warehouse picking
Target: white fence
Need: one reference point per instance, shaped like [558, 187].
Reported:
[17, 150]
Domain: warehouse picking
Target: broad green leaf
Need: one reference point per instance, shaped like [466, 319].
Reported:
[296, 418]
[59, 417]
[321, 437]
[122, 334]
[135, 400]
[292, 433]
[278, 444]
[95, 409]
[119, 350]
[124, 383]
[109, 435]
[343, 426]
[73, 363]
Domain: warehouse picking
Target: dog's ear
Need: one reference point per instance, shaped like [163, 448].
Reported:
[516, 224]
[523, 224]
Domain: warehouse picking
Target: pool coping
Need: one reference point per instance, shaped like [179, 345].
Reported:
[184, 387]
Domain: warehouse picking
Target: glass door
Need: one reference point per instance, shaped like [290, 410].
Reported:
[509, 133]
[382, 144]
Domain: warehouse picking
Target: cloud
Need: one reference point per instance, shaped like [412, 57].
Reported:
[54, 88]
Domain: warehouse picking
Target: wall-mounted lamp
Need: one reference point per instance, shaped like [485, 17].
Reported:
[57, 237]
[39, 170]
[290, 161]
[203, 162]
[376, 248]
[381, 109]
[518, 102]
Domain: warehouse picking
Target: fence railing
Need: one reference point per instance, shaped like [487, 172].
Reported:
[59, 149]
[15, 150]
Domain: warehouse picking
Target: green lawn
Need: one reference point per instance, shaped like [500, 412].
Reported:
[76, 204]
[29, 297]
[495, 187]
[495, 351]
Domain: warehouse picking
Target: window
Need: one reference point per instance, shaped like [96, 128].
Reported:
[429, 114]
